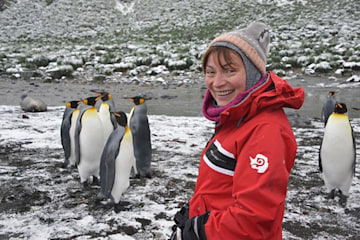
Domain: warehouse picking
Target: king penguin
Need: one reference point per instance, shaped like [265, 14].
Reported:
[116, 162]
[65, 130]
[89, 141]
[140, 130]
[328, 107]
[105, 106]
[338, 153]
[73, 131]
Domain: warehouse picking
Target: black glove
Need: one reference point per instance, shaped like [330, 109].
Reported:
[180, 219]
[195, 228]
[182, 216]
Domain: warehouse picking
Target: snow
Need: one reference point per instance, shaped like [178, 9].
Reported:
[174, 139]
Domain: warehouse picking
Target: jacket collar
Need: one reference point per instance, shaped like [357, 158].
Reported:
[273, 93]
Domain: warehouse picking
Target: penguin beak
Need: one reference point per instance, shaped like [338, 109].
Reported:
[98, 98]
[356, 109]
[129, 99]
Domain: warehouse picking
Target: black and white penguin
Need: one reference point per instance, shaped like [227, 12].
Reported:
[140, 130]
[338, 153]
[105, 107]
[117, 159]
[328, 107]
[29, 104]
[65, 130]
[89, 141]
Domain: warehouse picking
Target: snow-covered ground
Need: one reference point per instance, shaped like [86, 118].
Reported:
[41, 200]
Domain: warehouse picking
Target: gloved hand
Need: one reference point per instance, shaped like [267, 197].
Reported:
[180, 219]
[182, 216]
[195, 228]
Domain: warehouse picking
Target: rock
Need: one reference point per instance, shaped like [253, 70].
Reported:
[58, 72]
[29, 104]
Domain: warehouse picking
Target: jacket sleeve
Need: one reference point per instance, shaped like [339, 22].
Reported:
[259, 186]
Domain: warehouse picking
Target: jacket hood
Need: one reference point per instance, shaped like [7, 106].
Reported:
[275, 93]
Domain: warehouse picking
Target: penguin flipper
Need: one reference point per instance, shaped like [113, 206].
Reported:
[354, 145]
[108, 159]
[320, 165]
[77, 138]
[65, 135]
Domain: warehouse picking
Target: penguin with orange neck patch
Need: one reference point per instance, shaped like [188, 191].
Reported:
[116, 163]
[89, 141]
[140, 130]
[338, 154]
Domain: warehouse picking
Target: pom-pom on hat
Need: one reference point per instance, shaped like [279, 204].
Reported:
[252, 41]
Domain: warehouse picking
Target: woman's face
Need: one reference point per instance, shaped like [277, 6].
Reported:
[225, 76]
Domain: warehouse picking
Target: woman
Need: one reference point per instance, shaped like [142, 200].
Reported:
[244, 169]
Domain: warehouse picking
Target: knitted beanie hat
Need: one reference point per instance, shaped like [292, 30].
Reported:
[252, 44]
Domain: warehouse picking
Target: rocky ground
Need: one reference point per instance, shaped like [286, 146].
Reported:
[41, 200]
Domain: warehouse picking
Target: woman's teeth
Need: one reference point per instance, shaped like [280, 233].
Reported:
[224, 93]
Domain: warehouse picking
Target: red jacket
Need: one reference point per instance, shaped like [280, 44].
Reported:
[245, 167]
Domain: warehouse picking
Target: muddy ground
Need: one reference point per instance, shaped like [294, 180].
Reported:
[41, 200]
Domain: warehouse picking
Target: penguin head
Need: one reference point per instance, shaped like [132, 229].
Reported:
[331, 93]
[340, 108]
[91, 101]
[138, 100]
[72, 104]
[105, 96]
[121, 118]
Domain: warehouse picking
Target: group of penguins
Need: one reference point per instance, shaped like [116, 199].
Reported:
[337, 155]
[106, 146]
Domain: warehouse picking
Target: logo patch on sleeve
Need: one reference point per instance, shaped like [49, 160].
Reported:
[260, 163]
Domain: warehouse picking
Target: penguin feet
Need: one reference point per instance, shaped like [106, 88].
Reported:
[121, 206]
[65, 164]
[342, 199]
[95, 181]
[331, 195]
[145, 174]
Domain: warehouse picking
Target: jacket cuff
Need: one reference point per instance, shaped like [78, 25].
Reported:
[195, 227]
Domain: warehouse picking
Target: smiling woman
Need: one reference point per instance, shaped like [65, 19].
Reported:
[225, 75]
[253, 149]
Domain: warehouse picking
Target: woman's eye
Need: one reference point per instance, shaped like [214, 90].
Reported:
[210, 72]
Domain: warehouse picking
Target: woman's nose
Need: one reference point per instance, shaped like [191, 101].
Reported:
[218, 80]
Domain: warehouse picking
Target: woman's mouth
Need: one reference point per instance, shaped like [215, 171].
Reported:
[224, 93]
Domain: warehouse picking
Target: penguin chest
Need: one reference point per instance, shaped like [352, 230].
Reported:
[91, 137]
[123, 164]
[105, 117]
